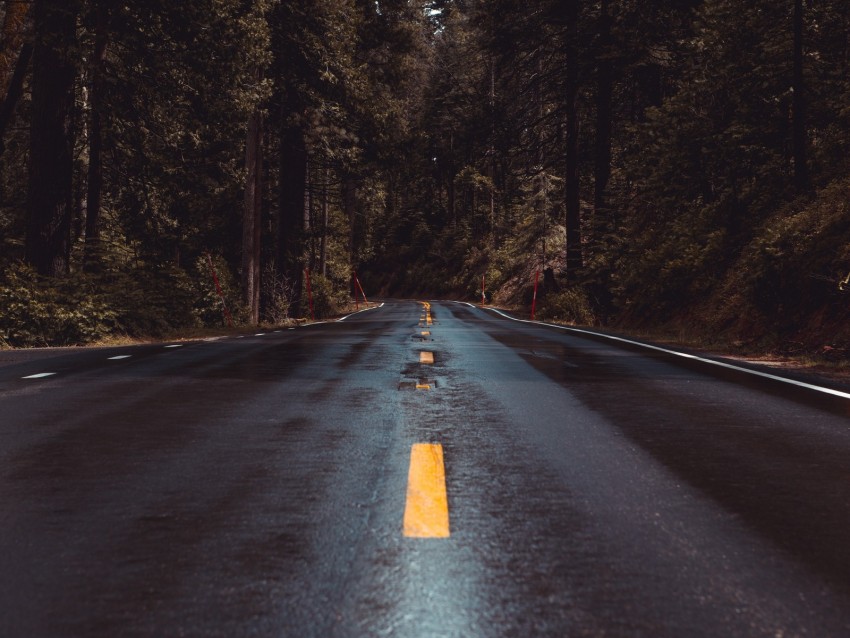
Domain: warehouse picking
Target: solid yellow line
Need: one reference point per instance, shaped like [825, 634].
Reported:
[426, 514]
[426, 357]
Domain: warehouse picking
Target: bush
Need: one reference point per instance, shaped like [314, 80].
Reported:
[38, 312]
[327, 300]
[572, 306]
[151, 302]
[207, 304]
[279, 292]
[82, 308]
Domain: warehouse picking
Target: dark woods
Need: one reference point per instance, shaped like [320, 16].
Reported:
[662, 162]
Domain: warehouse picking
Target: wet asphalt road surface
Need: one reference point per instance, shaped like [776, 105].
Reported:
[256, 487]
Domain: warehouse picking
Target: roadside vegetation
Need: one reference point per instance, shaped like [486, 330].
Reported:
[674, 168]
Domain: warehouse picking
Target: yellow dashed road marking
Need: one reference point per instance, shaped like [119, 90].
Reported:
[426, 357]
[426, 513]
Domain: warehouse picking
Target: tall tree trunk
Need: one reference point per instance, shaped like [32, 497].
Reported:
[571, 187]
[801, 169]
[94, 198]
[452, 191]
[541, 200]
[14, 60]
[251, 213]
[293, 177]
[12, 39]
[259, 200]
[491, 168]
[349, 205]
[602, 172]
[323, 248]
[309, 225]
[49, 194]
[14, 92]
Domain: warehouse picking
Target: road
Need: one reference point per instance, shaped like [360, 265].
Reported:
[261, 486]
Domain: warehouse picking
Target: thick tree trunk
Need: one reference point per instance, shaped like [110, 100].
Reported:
[309, 222]
[349, 205]
[605, 80]
[323, 247]
[293, 177]
[259, 202]
[801, 170]
[49, 195]
[92, 258]
[251, 213]
[14, 92]
[571, 186]
[15, 55]
[12, 40]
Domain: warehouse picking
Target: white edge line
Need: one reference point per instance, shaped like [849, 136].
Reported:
[358, 312]
[120, 356]
[683, 355]
[40, 375]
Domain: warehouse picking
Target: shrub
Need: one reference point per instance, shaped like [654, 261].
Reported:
[39, 312]
[572, 306]
[327, 300]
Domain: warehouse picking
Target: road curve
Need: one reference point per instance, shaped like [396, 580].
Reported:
[333, 480]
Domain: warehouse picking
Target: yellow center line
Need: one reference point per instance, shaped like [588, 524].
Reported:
[426, 357]
[423, 386]
[426, 513]
[426, 333]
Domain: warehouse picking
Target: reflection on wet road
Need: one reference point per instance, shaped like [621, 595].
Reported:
[420, 469]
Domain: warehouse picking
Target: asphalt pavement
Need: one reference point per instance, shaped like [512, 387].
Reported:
[417, 470]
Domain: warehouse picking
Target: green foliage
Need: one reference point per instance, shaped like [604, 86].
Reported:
[151, 302]
[143, 302]
[278, 293]
[207, 305]
[40, 312]
[436, 151]
[328, 299]
[788, 280]
[571, 306]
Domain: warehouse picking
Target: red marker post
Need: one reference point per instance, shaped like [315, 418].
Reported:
[357, 286]
[357, 282]
[534, 298]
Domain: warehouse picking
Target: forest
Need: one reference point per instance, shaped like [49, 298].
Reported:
[668, 167]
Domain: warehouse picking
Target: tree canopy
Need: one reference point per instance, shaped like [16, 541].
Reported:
[659, 162]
